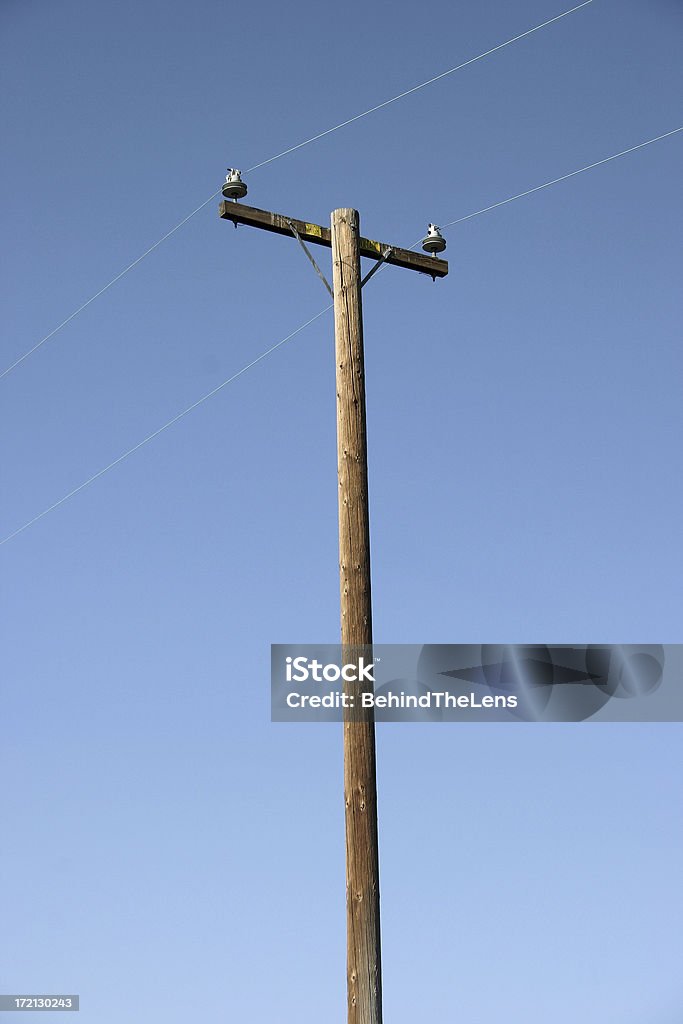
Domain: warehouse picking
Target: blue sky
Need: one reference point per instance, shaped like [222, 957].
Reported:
[168, 852]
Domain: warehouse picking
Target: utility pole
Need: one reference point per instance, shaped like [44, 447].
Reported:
[363, 952]
[363, 964]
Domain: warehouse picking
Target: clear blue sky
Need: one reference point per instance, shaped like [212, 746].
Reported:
[168, 852]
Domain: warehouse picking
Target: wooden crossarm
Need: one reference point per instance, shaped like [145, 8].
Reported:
[280, 225]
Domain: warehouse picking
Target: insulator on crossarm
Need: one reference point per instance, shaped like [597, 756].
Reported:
[234, 187]
[433, 241]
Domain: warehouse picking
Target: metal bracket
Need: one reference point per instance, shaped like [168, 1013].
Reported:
[385, 256]
[310, 256]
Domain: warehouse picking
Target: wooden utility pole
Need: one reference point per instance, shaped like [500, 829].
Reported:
[364, 975]
[363, 955]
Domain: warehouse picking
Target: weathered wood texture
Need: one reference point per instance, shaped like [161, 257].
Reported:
[276, 222]
[364, 980]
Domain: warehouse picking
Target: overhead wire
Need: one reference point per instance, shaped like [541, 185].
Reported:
[298, 330]
[547, 184]
[564, 177]
[285, 152]
[416, 88]
[106, 286]
[165, 426]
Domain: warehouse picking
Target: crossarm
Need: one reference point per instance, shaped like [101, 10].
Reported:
[238, 213]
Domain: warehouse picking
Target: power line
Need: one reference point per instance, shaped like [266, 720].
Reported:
[190, 408]
[547, 184]
[416, 88]
[160, 430]
[107, 286]
[278, 156]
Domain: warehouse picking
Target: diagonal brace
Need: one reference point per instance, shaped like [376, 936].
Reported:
[385, 256]
[310, 256]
